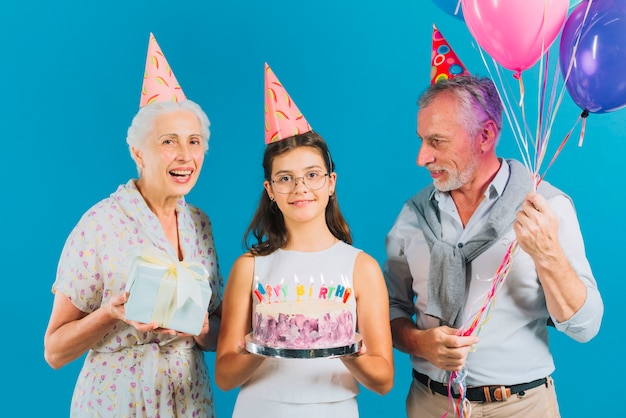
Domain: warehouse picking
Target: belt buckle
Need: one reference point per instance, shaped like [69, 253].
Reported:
[496, 393]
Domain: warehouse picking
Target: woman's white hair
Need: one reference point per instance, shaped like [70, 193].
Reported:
[142, 125]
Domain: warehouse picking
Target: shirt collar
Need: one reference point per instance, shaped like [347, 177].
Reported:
[496, 188]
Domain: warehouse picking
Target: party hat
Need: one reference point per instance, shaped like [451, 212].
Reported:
[444, 62]
[282, 117]
[159, 82]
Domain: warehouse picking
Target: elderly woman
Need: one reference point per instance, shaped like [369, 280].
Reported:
[138, 369]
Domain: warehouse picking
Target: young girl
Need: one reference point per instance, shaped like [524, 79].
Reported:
[299, 230]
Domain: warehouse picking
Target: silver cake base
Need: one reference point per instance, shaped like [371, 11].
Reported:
[331, 352]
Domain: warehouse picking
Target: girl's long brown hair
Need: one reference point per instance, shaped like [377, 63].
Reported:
[267, 227]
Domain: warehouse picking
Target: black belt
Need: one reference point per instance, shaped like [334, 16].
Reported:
[480, 393]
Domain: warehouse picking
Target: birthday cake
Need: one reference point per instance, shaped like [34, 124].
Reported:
[304, 324]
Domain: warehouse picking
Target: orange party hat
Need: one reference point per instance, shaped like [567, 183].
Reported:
[444, 62]
[159, 82]
[282, 117]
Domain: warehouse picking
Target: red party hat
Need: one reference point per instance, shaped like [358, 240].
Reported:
[444, 62]
[282, 117]
[159, 82]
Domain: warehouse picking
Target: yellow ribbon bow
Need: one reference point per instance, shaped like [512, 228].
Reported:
[180, 282]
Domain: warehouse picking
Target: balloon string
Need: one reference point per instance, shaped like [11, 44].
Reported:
[558, 151]
[521, 94]
[583, 127]
[541, 104]
[457, 379]
[582, 116]
[547, 109]
[540, 140]
[499, 277]
[575, 47]
[557, 103]
[457, 10]
[506, 100]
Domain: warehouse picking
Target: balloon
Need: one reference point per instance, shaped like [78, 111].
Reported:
[597, 81]
[574, 3]
[450, 7]
[515, 33]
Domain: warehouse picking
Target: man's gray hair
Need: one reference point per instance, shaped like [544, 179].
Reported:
[478, 98]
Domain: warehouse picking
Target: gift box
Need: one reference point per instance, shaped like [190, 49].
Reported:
[174, 294]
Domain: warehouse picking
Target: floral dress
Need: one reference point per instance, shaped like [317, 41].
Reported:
[131, 373]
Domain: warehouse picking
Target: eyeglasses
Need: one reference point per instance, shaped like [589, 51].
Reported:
[286, 183]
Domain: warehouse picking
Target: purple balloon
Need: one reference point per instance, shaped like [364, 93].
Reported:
[597, 81]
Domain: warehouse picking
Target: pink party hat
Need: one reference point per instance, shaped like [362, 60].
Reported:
[444, 62]
[159, 82]
[282, 117]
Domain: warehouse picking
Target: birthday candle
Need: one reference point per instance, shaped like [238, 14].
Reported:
[348, 290]
[323, 289]
[346, 294]
[311, 288]
[331, 290]
[339, 291]
[299, 289]
[283, 288]
[256, 289]
[268, 289]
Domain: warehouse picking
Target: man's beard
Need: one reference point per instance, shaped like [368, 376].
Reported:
[455, 178]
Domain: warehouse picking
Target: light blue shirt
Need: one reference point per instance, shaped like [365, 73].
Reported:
[513, 345]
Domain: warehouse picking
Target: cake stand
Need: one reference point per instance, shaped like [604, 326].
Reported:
[331, 352]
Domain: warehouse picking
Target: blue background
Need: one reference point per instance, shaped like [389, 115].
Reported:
[71, 74]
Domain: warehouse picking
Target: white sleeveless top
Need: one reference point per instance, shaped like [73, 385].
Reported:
[304, 380]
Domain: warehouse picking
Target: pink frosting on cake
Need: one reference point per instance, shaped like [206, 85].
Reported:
[304, 324]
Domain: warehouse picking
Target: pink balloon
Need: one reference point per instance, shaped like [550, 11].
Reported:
[515, 33]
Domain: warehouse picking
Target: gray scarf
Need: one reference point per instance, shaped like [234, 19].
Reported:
[447, 273]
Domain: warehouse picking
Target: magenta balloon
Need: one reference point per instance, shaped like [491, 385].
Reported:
[597, 81]
[515, 33]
